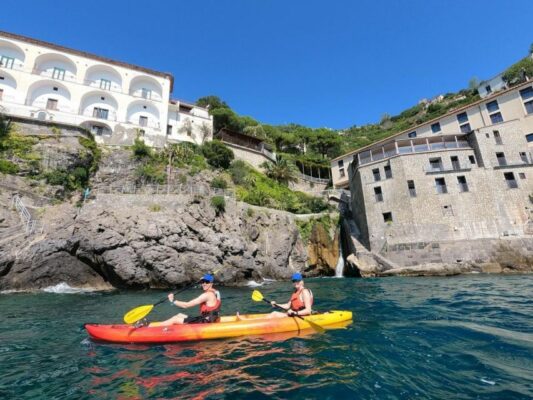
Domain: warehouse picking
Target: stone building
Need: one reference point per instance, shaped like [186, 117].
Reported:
[114, 100]
[463, 177]
[247, 148]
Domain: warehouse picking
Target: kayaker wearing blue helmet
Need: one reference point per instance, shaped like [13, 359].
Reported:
[209, 302]
[300, 303]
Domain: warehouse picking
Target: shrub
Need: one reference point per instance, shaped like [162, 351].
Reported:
[151, 173]
[217, 154]
[219, 204]
[141, 149]
[517, 72]
[57, 177]
[238, 172]
[7, 167]
[219, 183]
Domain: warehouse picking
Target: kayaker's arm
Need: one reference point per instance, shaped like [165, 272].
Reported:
[284, 305]
[186, 304]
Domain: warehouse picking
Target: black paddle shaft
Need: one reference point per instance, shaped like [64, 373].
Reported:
[284, 309]
[178, 292]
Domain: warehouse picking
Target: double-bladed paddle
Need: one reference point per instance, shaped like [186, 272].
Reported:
[140, 312]
[258, 296]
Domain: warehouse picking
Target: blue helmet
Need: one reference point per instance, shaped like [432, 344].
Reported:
[297, 276]
[208, 278]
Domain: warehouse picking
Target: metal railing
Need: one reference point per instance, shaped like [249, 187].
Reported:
[313, 179]
[135, 188]
[30, 225]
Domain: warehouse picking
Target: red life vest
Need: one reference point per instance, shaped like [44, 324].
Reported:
[204, 308]
[297, 302]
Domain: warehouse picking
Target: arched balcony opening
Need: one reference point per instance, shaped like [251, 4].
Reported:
[49, 95]
[97, 128]
[8, 87]
[100, 105]
[104, 77]
[11, 56]
[146, 87]
[143, 114]
[55, 66]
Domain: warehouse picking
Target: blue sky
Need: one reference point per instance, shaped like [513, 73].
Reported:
[316, 63]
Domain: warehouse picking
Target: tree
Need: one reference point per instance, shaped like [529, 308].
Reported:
[518, 72]
[282, 171]
[255, 131]
[225, 118]
[473, 83]
[212, 102]
[217, 154]
[326, 142]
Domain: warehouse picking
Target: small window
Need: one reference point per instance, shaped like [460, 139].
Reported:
[342, 173]
[455, 162]
[522, 175]
[388, 172]
[488, 89]
[463, 186]
[341, 163]
[169, 129]
[529, 138]
[435, 128]
[146, 93]
[497, 137]
[142, 132]
[55, 89]
[51, 104]
[472, 159]
[58, 73]
[527, 96]
[387, 217]
[105, 84]
[492, 106]
[501, 159]
[143, 121]
[440, 184]
[101, 113]
[510, 180]
[411, 187]
[376, 174]
[435, 164]
[378, 194]
[411, 134]
[462, 118]
[97, 130]
[496, 118]
[7, 62]
[523, 157]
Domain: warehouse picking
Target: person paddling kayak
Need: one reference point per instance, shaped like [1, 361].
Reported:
[300, 303]
[209, 302]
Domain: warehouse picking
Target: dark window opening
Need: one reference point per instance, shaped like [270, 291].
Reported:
[101, 113]
[510, 180]
[341, 163]
[169, 129]
[522, 175]
[387, 217]
[497, 137]
[388, 172]
[435, 164]
[529, 137]
[496, 118]
[523, 157]
[342, 173]
[378, 194]
[143, 121]
[411, 134]
[51, 104]
[463, 186]
[472, 159]
[488, 89]
[435, 128]
[440, 184]
[411, 187]
[455, 162]
[377, 175]
[501, 159]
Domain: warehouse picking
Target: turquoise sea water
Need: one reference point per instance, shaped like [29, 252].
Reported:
[468, 337]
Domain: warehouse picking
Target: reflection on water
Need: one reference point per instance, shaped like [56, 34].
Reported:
[461, 337]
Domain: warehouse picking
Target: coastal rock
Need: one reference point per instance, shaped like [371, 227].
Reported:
[431, 269]
[322, 250]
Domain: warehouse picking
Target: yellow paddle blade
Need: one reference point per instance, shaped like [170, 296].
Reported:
[257, 296]
[137, 314]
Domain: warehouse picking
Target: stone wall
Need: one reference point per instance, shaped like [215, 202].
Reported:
[255, 158]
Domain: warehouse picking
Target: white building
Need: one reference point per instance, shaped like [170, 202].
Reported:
[116, 101]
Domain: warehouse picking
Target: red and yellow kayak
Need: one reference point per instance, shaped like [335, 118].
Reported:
[229, 326]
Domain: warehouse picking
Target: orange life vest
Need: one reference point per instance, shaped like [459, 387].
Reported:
[297, 302]
[204, 308]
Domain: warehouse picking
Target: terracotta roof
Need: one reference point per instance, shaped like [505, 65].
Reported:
[88, 55]
[455, 111]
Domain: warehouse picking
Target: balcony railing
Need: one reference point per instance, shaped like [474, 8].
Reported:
[49, 73]
[440, 169]
[410, 146]
[109, 116]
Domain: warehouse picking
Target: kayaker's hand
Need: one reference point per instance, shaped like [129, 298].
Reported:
[291, 312]
[273, 303]
[171, 297]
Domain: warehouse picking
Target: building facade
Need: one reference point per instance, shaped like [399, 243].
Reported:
[466, 175]
[116, 101]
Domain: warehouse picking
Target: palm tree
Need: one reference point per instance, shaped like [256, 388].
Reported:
[282, 171]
